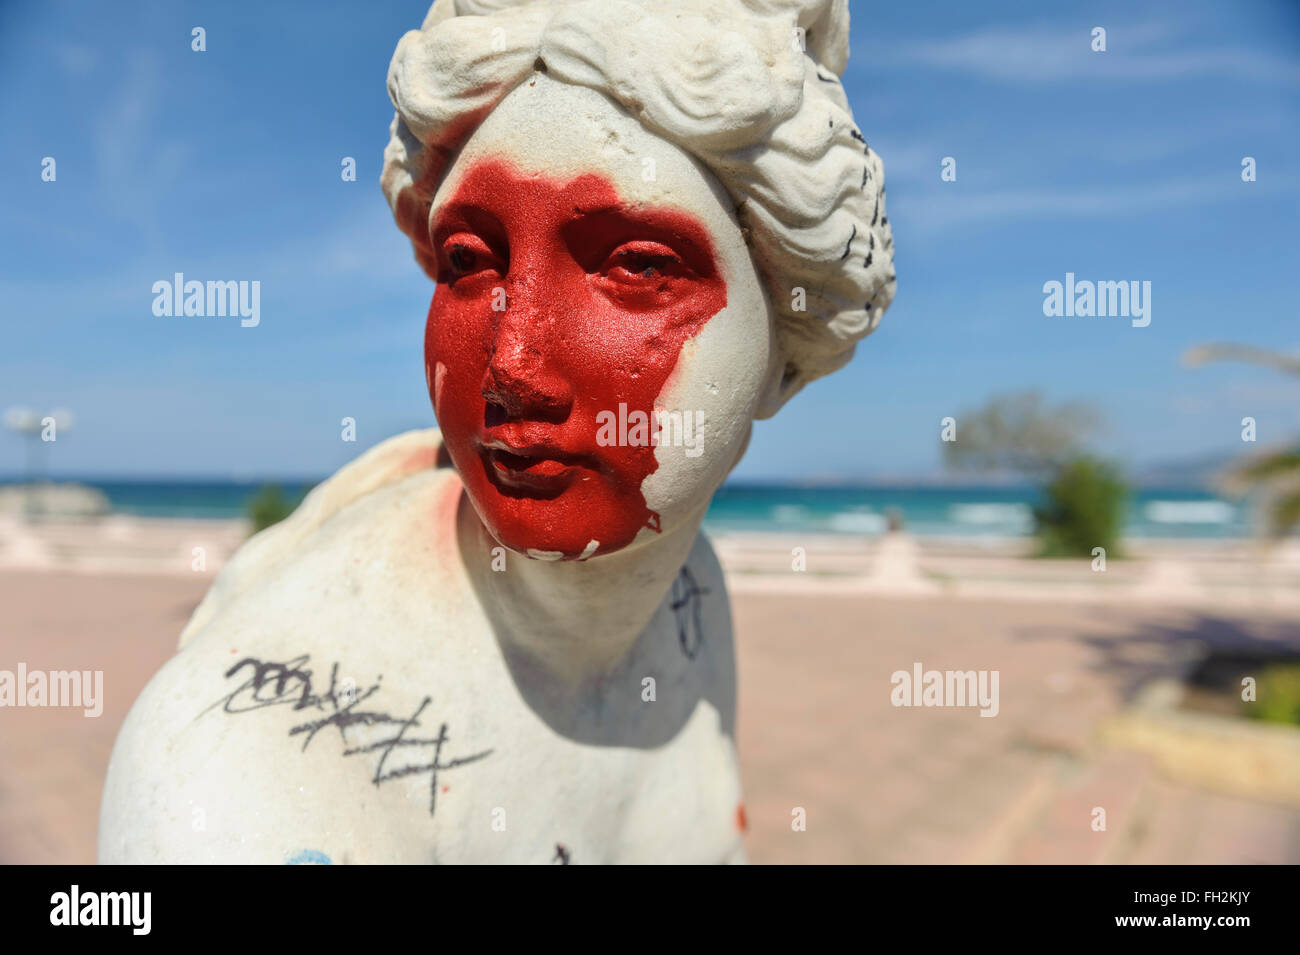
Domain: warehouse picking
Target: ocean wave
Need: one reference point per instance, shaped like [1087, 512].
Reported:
[1189, 512]
[1020, 516]
[858, 522]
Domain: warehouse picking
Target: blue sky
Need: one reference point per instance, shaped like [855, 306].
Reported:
[1123, 165]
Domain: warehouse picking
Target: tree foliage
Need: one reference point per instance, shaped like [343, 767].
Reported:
[1274, 475]
[1020, 433]
[1084, 509]
[269, 506]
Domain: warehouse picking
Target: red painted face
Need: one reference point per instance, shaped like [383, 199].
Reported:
[557, 301]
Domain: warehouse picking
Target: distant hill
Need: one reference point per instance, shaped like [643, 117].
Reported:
[1200, 471]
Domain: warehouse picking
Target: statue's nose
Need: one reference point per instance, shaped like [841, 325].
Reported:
[520, 378]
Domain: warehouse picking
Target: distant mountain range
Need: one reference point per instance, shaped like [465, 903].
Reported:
[1198, 472]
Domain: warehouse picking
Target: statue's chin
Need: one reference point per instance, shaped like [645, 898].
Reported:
[548, 533]
[538, 545]
[589, 518]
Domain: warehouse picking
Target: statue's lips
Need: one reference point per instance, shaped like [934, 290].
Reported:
[543, 469]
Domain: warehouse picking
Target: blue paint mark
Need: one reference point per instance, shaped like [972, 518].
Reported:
[309, 857]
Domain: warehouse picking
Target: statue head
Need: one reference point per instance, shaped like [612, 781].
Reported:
[649, 224]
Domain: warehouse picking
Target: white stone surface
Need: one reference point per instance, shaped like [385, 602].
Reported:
[588, 705]
[384, 572]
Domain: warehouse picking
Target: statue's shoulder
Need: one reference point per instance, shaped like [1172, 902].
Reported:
[387, 463]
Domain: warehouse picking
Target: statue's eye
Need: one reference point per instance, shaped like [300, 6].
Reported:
[465, 254]
[641, 263]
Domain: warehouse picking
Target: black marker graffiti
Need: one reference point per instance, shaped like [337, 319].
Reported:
[849, 245]
[290, 684]
[686, 594]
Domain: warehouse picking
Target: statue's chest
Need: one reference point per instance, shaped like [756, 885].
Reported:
[450, 788]
[468, 772]
[535, 799]
[440, 751]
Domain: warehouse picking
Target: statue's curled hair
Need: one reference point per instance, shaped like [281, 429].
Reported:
[751, 88]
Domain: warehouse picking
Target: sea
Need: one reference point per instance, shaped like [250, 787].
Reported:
[1001, 511]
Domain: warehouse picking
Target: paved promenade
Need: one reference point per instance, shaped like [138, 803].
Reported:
[816, 730]
[924, 785]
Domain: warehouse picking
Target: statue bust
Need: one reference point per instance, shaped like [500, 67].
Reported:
[506, 640]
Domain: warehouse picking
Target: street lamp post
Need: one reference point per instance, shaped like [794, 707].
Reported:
[37, 430]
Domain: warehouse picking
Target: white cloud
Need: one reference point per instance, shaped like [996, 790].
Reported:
[943, 211]
[136, 170]
[1041, 54]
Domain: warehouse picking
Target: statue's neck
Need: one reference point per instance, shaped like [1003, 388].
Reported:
[577, 620]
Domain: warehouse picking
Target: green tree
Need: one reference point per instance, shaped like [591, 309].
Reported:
[1020, 433]
[269, 506]
[1084, 509]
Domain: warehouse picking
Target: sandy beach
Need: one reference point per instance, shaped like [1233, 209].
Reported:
[817, 729]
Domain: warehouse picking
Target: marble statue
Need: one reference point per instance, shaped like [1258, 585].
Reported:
[650, 222]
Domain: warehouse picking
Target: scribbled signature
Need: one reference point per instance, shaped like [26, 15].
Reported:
[268, 683]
